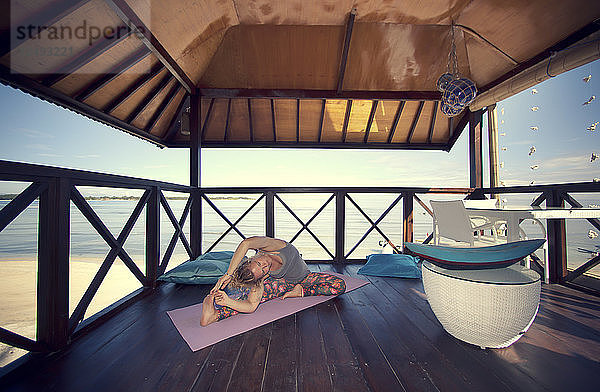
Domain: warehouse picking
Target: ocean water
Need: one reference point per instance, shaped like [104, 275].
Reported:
[18, 241]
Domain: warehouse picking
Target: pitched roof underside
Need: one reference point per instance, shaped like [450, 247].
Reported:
[273, 73]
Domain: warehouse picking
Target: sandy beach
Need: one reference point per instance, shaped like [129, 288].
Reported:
[18, 280]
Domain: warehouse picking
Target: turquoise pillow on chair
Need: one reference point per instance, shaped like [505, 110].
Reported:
[206, 269]
[391, 265]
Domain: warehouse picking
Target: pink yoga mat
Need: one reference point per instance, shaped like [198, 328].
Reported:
[187, 320]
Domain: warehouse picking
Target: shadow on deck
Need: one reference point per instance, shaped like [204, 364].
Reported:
[381, 337]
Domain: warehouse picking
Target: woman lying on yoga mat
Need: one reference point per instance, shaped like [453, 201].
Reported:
[276, 270]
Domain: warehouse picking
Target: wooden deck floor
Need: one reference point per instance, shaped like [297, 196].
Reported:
[381, 337]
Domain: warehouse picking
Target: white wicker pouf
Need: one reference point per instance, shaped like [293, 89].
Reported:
[488, 308]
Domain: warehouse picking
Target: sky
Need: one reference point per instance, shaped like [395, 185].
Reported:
[36, 131]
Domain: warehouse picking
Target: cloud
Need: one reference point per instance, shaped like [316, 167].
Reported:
[87, 156]
[33, 133]
[580, 161]
[49, 155]
[39, 146]
[570, 168]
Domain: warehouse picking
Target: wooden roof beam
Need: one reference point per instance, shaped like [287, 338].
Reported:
[432, 123]
[112, 74]
[133, 88]
[413, 126]
[172, 129]
[317, 145]
[250, 125]
[149, 97]
[273, 118]
[396, 119]
[226, 133]
[130, 18]
[206, 120]
[320, 94]
[52, 13]
[297, 120]
[346, 48]
[346, 120]
[370, 121]
[98, 48]
[163, 105]
[321, 120]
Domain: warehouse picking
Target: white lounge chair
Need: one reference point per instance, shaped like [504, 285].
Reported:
[451, 221]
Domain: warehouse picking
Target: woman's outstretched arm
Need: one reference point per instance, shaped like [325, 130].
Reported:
[263, 243]
[248, 305]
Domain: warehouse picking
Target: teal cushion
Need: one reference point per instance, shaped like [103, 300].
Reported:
[391, 265]
[206, 269]
[496, 256]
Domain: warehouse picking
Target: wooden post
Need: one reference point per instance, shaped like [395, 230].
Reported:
[407, 218]
[340, 225]
[270, 214]
[475, 155]
[493, 146]
[195, 176]
[346, 48]
[152, 237]
[557, 240]
[53, 264]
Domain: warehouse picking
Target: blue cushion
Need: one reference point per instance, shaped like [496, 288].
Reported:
[206, 269]
[496, 256]
[391, 265]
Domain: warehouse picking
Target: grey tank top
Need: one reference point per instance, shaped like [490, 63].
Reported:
[294, 268]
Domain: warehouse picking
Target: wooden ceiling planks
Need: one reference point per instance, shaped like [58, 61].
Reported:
[523, 29]
[123, 110]
[76, 81]
[154, 113]
[239, 121]
[293, 12]
[101, 82]
[398, 57]
[383, 121]
[310, 119]
[419, 129]
[262, 120]
[482, 53]
[166, 117]
[216, 122]
[196, 35]
[285, 119]
[145, 109]
[49, 51]
[405, 121]
[333, 120]
[245, 60]
[441, 131]
[335, 12]
[357, 122]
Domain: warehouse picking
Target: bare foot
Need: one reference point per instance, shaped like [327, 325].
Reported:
[209, 313]
[295, 292]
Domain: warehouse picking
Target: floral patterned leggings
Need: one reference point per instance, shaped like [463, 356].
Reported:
[315, 283]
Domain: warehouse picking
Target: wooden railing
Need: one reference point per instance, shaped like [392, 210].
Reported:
[339, 196]
[56, 188]
[555, 195]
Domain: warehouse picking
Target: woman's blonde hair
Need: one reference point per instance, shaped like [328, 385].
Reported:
[243, 277]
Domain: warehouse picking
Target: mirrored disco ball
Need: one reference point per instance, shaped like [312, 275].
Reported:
[450, 111]
[460, 91]
[443, 81]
